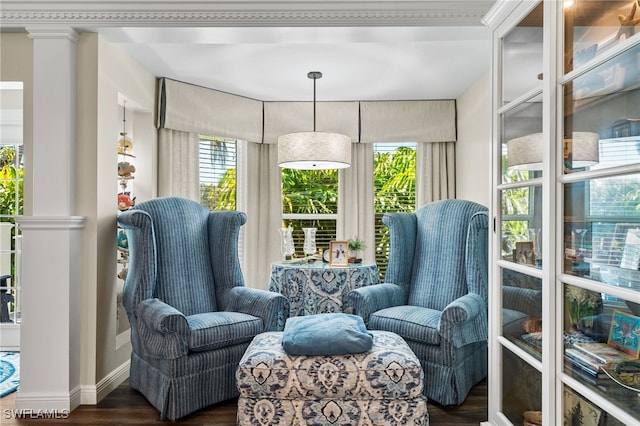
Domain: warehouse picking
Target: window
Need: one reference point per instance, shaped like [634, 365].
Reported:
[310, 200]
[11, 196]
[218, 163]
[11, 205]
[394, 176]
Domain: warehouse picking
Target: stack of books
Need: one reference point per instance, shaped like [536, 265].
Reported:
[586, 359]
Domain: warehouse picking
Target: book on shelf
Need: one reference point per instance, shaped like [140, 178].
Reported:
[602, 352]
[583, 361]
[575, 370]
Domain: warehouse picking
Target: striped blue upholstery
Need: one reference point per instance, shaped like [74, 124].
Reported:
[435, 294]
[191, 315]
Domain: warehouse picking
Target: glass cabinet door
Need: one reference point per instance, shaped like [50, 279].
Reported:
[600, 179]
[519, 218]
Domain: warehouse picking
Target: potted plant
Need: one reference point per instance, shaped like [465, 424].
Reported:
[356, 245]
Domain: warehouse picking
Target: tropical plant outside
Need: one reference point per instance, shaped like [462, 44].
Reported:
[11, 197]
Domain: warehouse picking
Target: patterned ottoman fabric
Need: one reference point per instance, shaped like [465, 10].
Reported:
[380, 387]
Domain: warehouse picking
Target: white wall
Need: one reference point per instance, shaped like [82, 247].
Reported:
[105, 77]
[473, 157]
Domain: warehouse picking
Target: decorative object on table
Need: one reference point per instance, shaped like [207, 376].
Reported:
[582, 303]
[9, 372]
[625, 333]
[287, 246]
[524, 253]
[314, 150]
[325, 255]
[339, 253]
[309, 246]
[356, 245]
[579, 411]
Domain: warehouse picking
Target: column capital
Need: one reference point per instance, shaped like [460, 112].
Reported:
[52, 32]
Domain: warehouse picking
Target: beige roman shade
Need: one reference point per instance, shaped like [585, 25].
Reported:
[408, 121]
[195, 109]
[287, 117]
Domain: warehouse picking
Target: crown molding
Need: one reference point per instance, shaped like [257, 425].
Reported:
[83, 13]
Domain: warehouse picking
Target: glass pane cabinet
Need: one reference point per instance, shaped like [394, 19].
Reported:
[565, 250]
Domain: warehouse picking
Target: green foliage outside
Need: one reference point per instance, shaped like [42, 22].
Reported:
[394, 191]
[515, 202]
[11, 194]
[11, 184]
[316, 192]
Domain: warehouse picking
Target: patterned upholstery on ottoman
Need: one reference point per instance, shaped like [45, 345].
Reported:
[380, 387]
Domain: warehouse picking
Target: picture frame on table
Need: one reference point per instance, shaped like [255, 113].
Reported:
[624, 334]
[339, 253]
[524, 253]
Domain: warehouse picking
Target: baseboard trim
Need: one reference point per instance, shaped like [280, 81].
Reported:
[35, 402]
[91, 395]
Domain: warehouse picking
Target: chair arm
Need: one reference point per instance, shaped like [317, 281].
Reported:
[272, 307]
[164, 331]
[367, 300]
[464, 320]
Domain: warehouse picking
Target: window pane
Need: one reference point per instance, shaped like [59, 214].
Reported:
[11, 204]
[309, 191]
[592, 28]
[602, 111]
[522, 57]
[394, 175]
[522, 141]
[218, 162]
[310, 200]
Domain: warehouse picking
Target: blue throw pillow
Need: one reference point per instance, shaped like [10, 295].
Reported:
[326, 334]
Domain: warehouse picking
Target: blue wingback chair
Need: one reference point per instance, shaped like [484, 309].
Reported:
[435, 294]
[191, 315]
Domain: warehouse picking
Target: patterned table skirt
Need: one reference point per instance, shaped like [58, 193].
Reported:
[318, 288]
[380, 387]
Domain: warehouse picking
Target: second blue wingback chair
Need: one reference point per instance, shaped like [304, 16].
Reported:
[435, 294]
[191, 316]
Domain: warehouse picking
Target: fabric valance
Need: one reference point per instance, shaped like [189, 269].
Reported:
[408, 121]
[287, 117]
[195, 109]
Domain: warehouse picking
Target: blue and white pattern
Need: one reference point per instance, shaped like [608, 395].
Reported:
[380, 387]
[9, 372]
[318, 288]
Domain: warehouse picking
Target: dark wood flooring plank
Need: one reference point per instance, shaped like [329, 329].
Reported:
[125, 406]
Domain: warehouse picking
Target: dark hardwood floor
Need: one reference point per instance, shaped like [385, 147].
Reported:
[125, 406]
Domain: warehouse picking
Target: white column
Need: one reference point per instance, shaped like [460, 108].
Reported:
[52, 236]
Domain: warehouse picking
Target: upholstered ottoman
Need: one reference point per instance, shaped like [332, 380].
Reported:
[380, 387]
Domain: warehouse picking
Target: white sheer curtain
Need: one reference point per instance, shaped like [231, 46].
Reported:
[436, 172]
[178, 164]
[355, 199]
[264, 213]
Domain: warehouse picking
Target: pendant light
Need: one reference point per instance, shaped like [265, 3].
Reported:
[314, 150]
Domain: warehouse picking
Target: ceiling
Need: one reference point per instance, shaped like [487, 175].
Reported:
[263, 49]
[357, 63]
